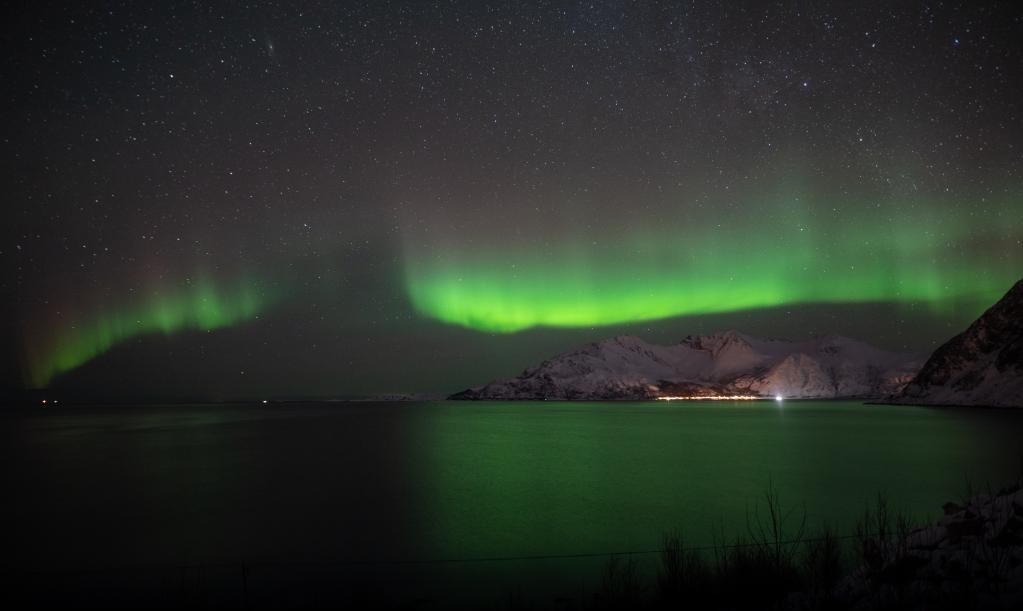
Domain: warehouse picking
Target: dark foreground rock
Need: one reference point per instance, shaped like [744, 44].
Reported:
[972, 558]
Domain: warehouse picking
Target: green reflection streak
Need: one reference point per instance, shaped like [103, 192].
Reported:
[781, 256]
[203, 305]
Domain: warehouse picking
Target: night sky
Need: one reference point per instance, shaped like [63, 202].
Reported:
[218, 200]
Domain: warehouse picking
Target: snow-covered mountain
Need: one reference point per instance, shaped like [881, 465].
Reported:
[725, 363]
[981, 366]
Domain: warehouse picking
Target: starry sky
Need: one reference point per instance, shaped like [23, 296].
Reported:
[226, 200]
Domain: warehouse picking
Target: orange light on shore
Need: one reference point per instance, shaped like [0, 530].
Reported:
[714, 398]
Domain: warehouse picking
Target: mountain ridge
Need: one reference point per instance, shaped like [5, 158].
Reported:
[725, 363]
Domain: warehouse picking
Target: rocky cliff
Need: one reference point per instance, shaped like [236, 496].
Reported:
[983, 365]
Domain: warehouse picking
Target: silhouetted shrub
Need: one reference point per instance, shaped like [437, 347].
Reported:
[620, 585]
[683, 579]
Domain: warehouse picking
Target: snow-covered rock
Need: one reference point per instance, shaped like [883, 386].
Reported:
[725, 363]
[972, 556]
[981, 366]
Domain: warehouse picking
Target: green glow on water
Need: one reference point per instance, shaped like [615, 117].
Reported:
[769, 260]
[202, 305]
[530, 478]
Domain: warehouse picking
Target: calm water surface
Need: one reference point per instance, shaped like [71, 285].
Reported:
[208, 484]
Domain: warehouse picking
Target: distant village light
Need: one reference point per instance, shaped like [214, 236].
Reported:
[711, 398]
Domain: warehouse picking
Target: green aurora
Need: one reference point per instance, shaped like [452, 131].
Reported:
[772, 260]
[202, 305]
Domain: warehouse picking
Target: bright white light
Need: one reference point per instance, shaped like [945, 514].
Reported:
[777, 397]
[264, 401]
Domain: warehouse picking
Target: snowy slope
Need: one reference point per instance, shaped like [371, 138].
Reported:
[981, 366]
[626, 367]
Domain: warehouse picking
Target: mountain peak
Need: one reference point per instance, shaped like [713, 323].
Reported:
[625, 340]
[716, 341]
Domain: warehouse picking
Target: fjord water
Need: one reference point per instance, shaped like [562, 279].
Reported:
[292, 489]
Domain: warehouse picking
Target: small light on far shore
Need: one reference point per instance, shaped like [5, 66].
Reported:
[265, 401]
[778, 398]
